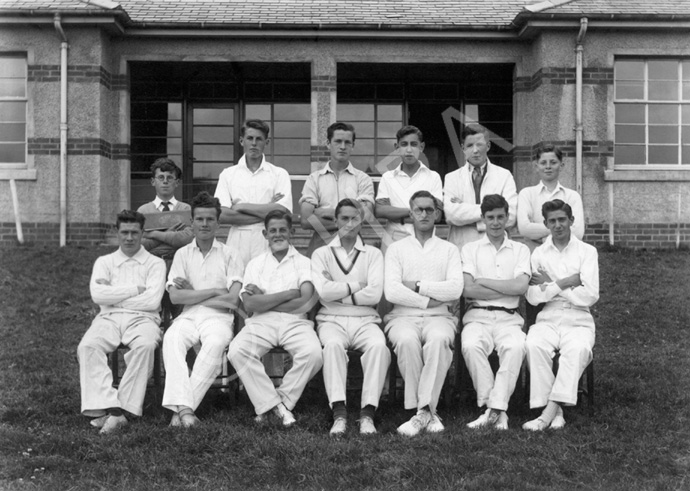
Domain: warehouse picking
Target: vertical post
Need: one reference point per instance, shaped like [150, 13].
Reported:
[17, 218]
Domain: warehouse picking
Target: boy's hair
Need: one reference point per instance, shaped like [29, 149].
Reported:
[130, 216]
[256, 124]
[348, 202]
[548, 148]
[409, 130]
[493, 201]
[556, 205]
[339, 125]
[278, 215]
[424, 194]
[205, 200]
[474, 129]
[166, 165]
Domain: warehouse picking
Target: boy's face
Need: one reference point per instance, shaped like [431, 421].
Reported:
[348, 221]
[549, 167]
[558, 224]
[253, 142]
[129, 236]
[424, 214]
[278, 234]
[165, 183]
[341, 145]
[205, 223]
[495, 221]
[409, 147]
[476, 148]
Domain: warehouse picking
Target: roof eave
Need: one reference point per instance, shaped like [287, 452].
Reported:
[531, 24]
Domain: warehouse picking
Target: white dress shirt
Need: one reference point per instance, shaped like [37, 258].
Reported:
[465, 216]
[325, 188]
[530, 220]
[481, 259]
[576, 257]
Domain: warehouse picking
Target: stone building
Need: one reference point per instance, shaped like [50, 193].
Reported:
[92, 91]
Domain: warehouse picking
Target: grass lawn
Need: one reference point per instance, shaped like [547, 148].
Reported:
[638, 437]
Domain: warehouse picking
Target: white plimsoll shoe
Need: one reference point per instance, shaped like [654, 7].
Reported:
[339, 427]
[435, 425]
[175, 420]
[502, 421]
[99, 422]
[558, 421]
[536, 425]
[366, 426]
[286, 417]
[112, 424]
[188, 420]
[486, 419]
[417, 423]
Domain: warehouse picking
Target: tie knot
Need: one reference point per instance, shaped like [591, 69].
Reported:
[165, 205]
[477, 172]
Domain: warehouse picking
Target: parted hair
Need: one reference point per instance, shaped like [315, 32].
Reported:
[555, 205]
[340, 125]
[422, 193]
[549, 148]
[409, 130]
[348, 202]
[130, 216]
[166, 165]
[278, 215]
[493, 201]
[205, 200]
[256, 124]
[474, 129]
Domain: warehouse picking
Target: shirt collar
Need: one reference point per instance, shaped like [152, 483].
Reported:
[157, 202]
[121, 257]
[484, 168]
[290, 253]
[422, 168]
[327, 168]
[215, 244]
[548, 242]
[506, 242]
[359, 245]
[243, 163]
[559, 187]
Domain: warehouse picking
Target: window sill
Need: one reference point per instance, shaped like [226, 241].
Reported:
[647, 175]
[18, 174]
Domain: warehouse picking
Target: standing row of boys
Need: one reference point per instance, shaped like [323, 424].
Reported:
[423, 277]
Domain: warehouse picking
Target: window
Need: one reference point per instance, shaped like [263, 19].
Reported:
[652, 112]
[13, 111]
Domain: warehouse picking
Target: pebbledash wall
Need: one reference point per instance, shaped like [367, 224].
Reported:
[651, 208]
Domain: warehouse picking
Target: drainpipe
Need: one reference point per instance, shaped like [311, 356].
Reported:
[578, 104]
[63, 130]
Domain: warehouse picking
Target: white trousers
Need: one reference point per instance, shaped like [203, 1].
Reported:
[423, 346]
[571, 332]
[213, 330]
[138, 332]
[485, 331]
[337, 334]
[296, 336]
[248, 242]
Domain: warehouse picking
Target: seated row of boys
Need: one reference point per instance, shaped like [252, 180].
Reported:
[423, 276]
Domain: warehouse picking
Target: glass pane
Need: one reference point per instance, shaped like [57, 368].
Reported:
[355, 112]
[663, 134]
[12, 66]
[390, 113]
[209, 170]
[291, 147]
[686, 155]
[13, 111]
[629, 89]
[365, 163]
[213, 116]
[12, 132]
[290, 112]
[662, 70]
[258, 111]
[387, 130]
[685, 135]
[293, 129]
[629, 70]
[686, 114]
[629, 154]
[364, 146]
[363, 130]
[663, 114]
[663, 91]
[213, 152]
[174, 111]
[685, 66]
[384, 148]
[626, 133]
[12, 153]
[213, 134]
[663, 154]
[174, 146]
[471, 113]
[174, 128]
[686, 91]
[294, 164]
[630, 113]
[12, 87]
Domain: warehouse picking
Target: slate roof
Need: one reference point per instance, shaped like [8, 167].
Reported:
[352, 14]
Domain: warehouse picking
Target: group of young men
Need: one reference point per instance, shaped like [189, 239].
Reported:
[261, 275]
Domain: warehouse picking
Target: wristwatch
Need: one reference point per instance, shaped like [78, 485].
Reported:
[416, 286]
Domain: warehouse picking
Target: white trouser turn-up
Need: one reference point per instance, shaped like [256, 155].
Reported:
[213, 330]
[571, 332]
[485, 331]
[338, 333]
[141, 334]
[262, 333]
[423, 346]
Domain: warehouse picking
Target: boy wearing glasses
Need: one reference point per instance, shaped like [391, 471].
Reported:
[423, 277]
[165, 177]
[399, 184]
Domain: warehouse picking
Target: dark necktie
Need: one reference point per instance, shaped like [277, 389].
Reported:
[477, 182]
[166, 205]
